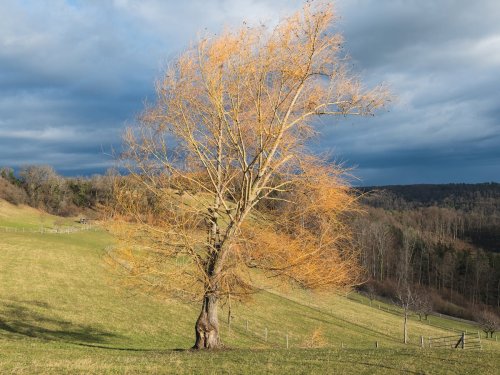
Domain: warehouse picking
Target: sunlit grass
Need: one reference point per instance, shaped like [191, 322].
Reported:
[19, 217]
[62, 309]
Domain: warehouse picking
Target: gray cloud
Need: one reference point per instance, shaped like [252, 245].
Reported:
[72, 73]
[442, 61]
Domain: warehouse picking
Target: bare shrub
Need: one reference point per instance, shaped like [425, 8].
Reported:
[12, 193]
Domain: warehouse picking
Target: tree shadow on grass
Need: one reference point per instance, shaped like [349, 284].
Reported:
[25, 319]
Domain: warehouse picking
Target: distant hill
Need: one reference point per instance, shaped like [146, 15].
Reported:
[477, 204]
[459, 196]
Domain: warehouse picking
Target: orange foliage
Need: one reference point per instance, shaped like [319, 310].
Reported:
[222, 149]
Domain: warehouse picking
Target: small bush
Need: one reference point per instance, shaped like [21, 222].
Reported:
[445, 307]
[315, 339]
[386, 289]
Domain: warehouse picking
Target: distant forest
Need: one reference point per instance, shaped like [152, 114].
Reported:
[444, 240]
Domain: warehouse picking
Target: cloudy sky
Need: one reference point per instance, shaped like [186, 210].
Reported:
[73, 73]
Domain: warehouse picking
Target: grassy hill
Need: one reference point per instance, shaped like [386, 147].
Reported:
[62, 309]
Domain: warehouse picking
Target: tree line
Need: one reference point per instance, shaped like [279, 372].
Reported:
[42, 187]
[443, 240]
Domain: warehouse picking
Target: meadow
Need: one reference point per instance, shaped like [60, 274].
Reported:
[64, 310]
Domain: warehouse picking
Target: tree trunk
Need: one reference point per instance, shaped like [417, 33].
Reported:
[207, 325]
[405, 327]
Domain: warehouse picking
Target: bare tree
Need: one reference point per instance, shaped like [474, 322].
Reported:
[219, 178]
[422, 303]
[489, 322]
[405, 294]
[370, 291]
[45, 188]
[382, 236]
[405, 299]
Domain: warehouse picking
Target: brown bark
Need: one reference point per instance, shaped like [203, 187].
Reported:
[207, 325]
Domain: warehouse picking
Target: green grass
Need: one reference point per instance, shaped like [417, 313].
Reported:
[50, 358]
[435, 320]
[62, 310]
[18, 217]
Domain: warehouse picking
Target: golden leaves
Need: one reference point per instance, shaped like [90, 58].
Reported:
[217, 169]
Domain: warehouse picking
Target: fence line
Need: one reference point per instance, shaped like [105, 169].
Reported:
[256, 330]
[44, 230]
[260, 332]
[376, 305]
[462, 341]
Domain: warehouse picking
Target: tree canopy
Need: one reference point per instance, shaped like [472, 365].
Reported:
[220, 180]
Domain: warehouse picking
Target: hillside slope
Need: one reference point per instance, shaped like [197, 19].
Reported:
[62, 309]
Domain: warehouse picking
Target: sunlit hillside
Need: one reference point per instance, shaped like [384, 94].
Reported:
[62, 308]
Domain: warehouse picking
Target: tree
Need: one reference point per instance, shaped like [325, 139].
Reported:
[406, 299]
[10, 191]
[219, 179]
[489, 321]
[9, 175]
[45, 188]
[405, 295]
[422, 303]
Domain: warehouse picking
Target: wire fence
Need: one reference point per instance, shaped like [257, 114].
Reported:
[260, 333]
[265, 334]
[428, 321]
[49, 230]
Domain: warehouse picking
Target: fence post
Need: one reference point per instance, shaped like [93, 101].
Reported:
[376, 344]
[422, 342]
[463, 340]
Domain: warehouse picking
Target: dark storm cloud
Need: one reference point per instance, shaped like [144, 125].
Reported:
[442, 62]
[73, 73]
[62, 88]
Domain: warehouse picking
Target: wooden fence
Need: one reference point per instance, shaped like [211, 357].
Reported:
[462, 341]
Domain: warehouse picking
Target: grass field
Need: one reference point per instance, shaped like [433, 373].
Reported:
[62, 310]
